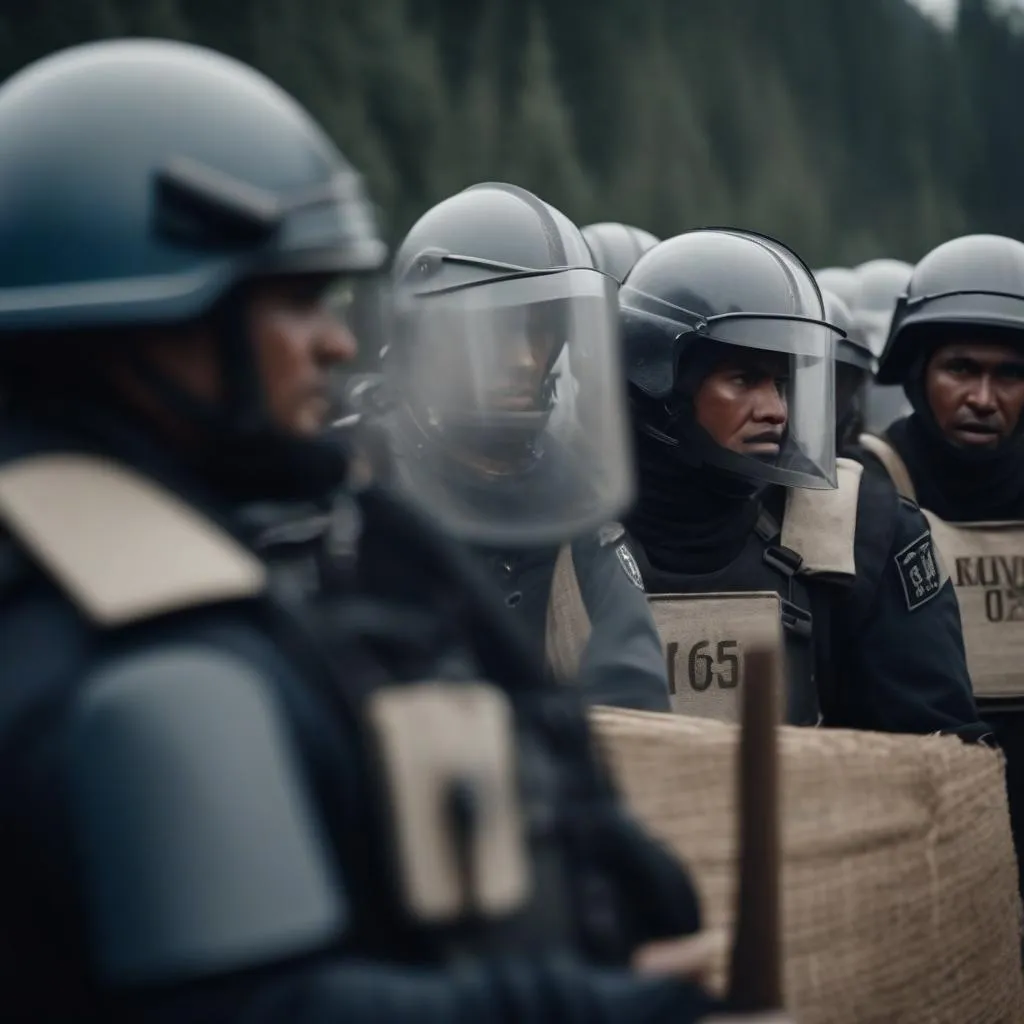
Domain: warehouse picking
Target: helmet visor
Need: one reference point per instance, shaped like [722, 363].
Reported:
[764, 393]
[762, 385]
[516, 390]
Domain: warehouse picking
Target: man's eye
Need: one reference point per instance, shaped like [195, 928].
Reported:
[959, 367]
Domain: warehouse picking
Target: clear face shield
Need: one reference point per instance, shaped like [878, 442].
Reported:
[512, 427]
[768, 400]
[760, 390]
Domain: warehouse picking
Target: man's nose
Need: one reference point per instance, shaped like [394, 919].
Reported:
[334, 342]
[982, 398]
[770, 406]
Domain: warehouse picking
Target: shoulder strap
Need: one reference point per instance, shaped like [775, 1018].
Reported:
[820, 526]
[890, 459]
[121, 547]
[568, 621]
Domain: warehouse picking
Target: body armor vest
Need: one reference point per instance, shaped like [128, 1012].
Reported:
[986, 563]
[768, 594]
[469, 784]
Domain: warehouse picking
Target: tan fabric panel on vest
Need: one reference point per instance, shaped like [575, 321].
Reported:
[568, 622]
[122, 548]
[431, 736]
[820, 526]
[986, 563]
[894, 465]
[704, 636]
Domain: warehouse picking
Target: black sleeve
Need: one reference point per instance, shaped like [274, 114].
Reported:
[496, 992]
[623, 664]
[899, 640]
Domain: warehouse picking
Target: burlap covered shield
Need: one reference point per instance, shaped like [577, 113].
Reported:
[899, 880]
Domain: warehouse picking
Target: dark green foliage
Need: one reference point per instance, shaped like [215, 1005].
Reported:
[851, 129]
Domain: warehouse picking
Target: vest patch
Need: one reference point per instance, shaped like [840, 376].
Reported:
[918, 572]
[628, 562]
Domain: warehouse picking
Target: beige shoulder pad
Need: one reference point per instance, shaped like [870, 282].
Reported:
[121, 547]
[890, 459]
[568, 622]
[820, 526]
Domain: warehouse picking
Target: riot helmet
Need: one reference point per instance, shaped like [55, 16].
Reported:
[853, 369]
[972, 282]
[733, 317]
[504, 364]
[881, 282]
[842, 282]
[967, 292]
[147, 185]
[616, 247]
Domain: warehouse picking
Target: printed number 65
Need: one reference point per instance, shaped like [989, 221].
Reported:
[703, 668]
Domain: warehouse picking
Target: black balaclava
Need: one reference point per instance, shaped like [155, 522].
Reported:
[957, 484]
[690, 516]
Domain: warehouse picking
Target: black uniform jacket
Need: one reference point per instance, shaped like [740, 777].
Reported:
[622, 664]
[884, 654]
[79, 823]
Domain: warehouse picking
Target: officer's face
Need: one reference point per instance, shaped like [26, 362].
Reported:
[298, 341]
[503, 374]
[976, 392]
[742, 403]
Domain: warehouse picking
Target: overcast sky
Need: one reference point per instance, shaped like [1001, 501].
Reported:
[945, 10]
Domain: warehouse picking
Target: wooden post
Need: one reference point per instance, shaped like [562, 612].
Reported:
[755, 978]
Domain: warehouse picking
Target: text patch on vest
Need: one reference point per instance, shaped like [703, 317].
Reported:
[704, 637]
[986, 563]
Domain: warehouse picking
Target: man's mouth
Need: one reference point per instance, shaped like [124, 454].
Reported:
[975, 433]
[511, 400]
[767, 443]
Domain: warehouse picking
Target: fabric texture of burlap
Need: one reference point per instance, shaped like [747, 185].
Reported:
[899, 879]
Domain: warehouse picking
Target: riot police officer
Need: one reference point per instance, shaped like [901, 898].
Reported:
[616, 247]
[956, 347]
[507, 411]
[853, 370]
[739, 526]
[218, 804]
[880, 282]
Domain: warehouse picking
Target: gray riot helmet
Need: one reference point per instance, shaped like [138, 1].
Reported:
[616, 247]
[881, 283]
[712, 297]
[973, 282]
[842, 282]
[505, 367]
[148, 183]
[853, 369]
